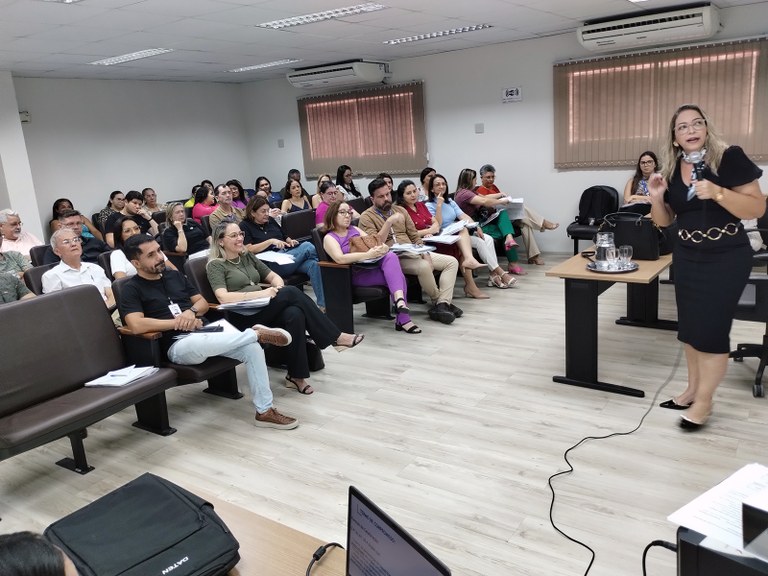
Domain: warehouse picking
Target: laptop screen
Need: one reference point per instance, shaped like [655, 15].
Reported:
[377, 545]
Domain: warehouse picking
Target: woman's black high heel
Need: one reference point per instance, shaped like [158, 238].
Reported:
[398, 309]
[412, 330]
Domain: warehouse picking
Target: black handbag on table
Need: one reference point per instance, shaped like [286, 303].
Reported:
[648, 241]
[147, 527]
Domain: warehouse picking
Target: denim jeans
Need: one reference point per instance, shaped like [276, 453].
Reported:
[244, 346]
[305, 256]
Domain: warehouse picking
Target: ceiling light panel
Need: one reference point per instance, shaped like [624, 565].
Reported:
[266, 65]
[132, 56]
[440, 34]
[320, 16]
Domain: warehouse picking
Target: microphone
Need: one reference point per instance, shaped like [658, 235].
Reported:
[697, 159]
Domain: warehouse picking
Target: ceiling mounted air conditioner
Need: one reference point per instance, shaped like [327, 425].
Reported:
[658, 29]
[340, 75]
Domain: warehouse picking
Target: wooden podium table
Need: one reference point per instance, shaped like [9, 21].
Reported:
[268, 548]
[582, 289]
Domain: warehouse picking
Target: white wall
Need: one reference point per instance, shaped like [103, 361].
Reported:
[464, 88]
[87, 138]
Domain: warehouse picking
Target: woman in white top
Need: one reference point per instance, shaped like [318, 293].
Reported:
[124, 228]
[344, 183]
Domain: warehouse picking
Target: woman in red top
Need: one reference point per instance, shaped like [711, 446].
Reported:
[406, 196]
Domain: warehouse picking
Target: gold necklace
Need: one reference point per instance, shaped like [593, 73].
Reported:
[233, 261]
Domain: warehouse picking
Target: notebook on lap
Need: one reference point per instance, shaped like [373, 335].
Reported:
[378, 545]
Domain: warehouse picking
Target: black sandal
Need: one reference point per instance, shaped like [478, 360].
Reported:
[412, 330]
[357, 338]
[291, 383]
[404, 308]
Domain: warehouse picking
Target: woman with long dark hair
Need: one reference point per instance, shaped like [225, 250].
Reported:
[345, 184]
[636, 197]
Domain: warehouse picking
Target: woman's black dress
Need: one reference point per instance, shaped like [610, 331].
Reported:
[711, 266]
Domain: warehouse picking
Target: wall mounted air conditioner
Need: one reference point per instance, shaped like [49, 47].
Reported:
[340, 75]
[658, 29]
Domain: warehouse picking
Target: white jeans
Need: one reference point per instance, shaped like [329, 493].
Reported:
[244, 346]
[485, 249]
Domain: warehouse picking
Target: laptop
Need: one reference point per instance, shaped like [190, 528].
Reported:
[376, 544]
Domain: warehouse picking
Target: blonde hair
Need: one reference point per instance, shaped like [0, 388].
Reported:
[217, 250]
[670, 152]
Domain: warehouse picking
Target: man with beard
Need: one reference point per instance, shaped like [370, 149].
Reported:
[160, 300]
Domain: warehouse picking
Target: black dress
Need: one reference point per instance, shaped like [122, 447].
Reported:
[712, 256]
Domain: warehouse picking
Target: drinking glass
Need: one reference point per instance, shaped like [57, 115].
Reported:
[625, 256]
[612, 257]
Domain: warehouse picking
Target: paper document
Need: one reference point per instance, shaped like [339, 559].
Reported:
[412, 248]
[245, 304]
[453, 228]
[441, 239]
[123, 376]
[515, 209]
[717, 512]
[280, 258]
[199, 254]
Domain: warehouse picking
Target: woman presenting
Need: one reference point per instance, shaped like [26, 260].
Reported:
[709, 187]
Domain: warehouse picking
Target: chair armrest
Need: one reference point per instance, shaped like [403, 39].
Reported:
[146, 336]
[326, 264]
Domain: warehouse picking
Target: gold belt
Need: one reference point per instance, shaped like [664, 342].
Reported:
[714, 233]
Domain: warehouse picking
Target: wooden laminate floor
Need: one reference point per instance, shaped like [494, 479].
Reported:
[454, 432]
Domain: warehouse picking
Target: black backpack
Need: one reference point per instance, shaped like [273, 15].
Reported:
[148, 527]
[596, 202]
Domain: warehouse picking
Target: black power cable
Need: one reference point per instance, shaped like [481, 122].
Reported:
[320, 552]
[663, 544]
[611, 435]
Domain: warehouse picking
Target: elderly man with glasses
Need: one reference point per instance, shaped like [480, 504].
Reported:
[14, 238]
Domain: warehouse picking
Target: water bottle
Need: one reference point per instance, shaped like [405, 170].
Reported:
[603, 241]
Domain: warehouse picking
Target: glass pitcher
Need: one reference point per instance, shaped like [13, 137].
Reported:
[603, 241]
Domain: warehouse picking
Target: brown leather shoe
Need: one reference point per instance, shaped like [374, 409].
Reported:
[273, 419]
[274, 336]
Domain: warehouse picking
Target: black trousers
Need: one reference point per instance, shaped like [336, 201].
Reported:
[298, 314]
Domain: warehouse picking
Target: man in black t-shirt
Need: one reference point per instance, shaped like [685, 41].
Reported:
[160, 300]
[134, 208]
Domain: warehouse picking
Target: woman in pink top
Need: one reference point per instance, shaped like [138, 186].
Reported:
[205, 203]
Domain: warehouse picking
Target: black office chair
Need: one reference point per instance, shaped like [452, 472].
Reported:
[37, 253]
[595, 203]
[753, 307]
[205, 222]
[358, 205]
[105, 261]
[298, 225]
[760, 257]
[33, 277]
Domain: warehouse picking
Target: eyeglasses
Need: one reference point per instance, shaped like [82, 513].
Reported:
[76, 240]
[331, 191]
[696, 125]
[345, 212]
[235, 235]
[646, 162]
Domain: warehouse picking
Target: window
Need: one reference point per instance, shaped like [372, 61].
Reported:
[608, 111]
[375, 130]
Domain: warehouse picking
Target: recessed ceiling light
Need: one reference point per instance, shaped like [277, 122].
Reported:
[440, 34]
[320, 16]
[63, 1]
[132, 56]
[266, 65]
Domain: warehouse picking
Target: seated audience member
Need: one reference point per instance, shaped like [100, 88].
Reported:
[477, 207]
[636, 197]
[28, 554]
[91, 247]
[530, 223]
[14, 238]
[317, 198]
[295, 198]
[13, 262]
[294, 174]
[263, 233]
[345, 184]
[446, 212]
[274, 197]
[426, 226]
[238, 194]
[62, 205]
[116, 204]
[183, 234]
[11, 289]
[425, 176]
[385, 271]
[157, 300]
[388, 179]
[225, 211]
[150, 200]
[134, 208]
[235, 274]
[123, 229]
[329, 194]
[191, 201]
[205, 203]
[72, 271]
[391, 224]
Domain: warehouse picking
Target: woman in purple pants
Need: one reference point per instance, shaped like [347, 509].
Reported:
[385, 271]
